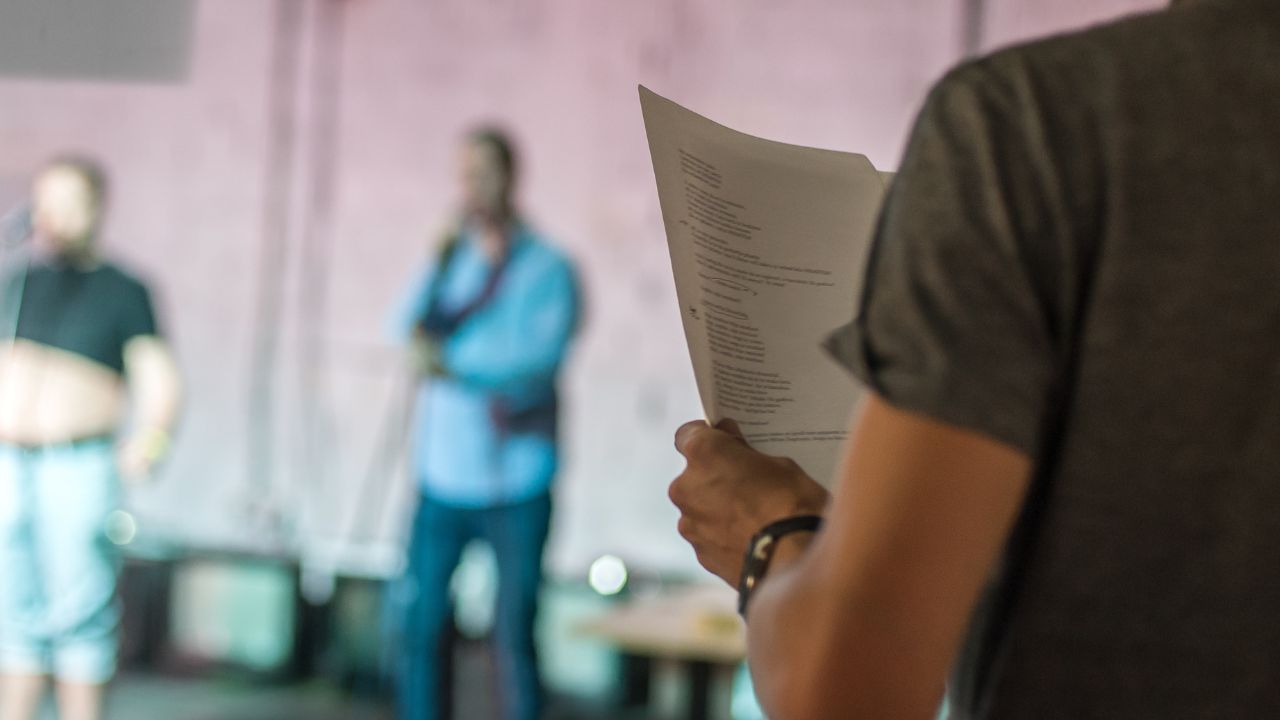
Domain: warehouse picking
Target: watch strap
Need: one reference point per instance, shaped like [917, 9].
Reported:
[760, 553]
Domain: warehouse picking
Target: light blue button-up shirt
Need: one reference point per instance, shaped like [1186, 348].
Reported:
[507, 352]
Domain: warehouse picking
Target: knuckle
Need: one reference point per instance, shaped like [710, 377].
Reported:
[676, 492]
[685, 527]
[702, 443]
[695, 444]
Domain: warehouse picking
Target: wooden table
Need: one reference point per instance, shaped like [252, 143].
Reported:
[697, 627]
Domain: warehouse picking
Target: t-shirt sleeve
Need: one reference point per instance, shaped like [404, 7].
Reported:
[137, 317]
[953, 322]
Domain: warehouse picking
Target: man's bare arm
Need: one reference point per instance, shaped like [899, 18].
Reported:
[864, 619]
[868, 621]
[155, 388]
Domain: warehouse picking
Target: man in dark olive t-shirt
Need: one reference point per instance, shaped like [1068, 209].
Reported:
[91, 312]
[89, 391]
[1064, 490]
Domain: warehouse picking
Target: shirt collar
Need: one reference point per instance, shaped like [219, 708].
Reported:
[519, 237]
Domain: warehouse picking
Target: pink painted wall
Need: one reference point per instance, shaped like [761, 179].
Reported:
[189, 163]
[1010, 21]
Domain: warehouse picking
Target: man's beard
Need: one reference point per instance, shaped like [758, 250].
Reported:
[68, 253]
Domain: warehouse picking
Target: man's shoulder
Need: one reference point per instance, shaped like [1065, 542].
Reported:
[542, 252]
[122, 276]
[1067, 79]
[1084, 58]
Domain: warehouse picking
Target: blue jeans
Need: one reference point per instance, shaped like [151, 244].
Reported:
[518, 534]
[58, 611]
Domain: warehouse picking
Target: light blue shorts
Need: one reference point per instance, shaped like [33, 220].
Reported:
[58, 609]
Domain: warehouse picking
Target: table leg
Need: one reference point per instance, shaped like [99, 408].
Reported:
[637, 680]
[699, 690]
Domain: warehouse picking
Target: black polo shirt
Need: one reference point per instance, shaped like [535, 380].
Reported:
[93, 312]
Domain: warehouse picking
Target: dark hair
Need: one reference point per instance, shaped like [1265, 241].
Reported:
[500, 141]
[88, 168]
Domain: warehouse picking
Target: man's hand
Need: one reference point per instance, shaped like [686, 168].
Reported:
[427, 356]
[134, 465]
[156, 389]
[138, 457]
[729, 492]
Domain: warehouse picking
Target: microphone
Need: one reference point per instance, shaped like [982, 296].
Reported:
[15, 226]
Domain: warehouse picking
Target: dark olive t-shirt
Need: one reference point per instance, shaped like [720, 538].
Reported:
[93, 313]
[1081, 258]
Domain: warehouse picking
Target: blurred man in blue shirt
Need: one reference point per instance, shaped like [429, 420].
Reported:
[489, 322]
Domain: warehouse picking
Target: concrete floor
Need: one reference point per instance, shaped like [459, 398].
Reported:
[193, 695]
[150, 697]
[136, 697]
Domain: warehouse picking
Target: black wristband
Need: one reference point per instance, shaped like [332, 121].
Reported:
[760, 552]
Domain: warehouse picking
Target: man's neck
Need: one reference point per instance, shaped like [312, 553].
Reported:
[81, 257]
[493, 237]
